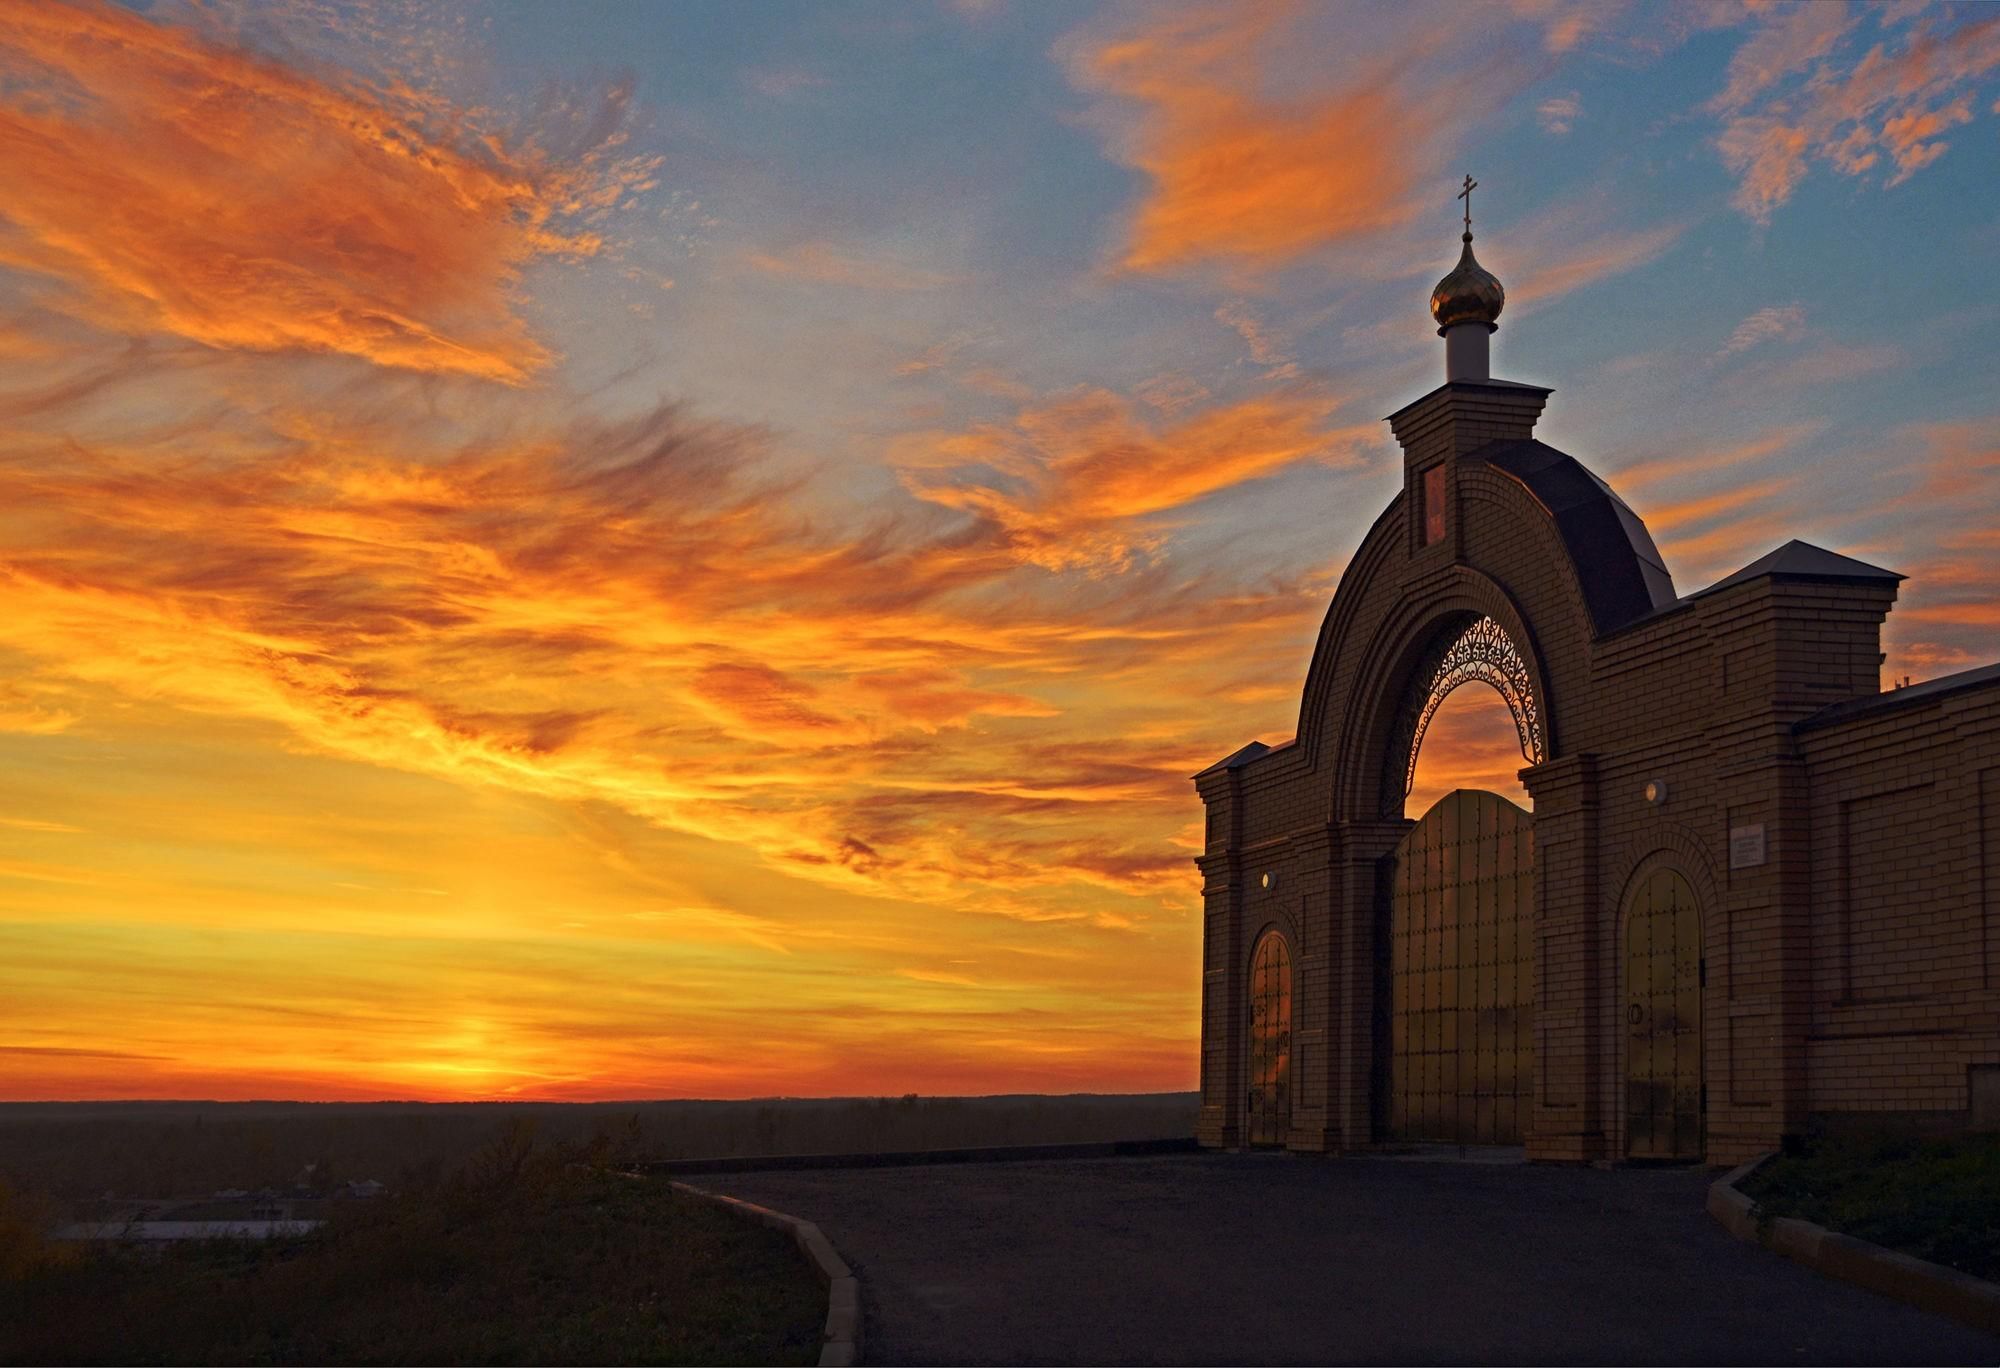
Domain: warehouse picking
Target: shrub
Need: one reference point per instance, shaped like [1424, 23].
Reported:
[1934, 1199]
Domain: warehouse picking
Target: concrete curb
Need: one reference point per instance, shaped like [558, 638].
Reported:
[842, 1345]
[1928, 1286]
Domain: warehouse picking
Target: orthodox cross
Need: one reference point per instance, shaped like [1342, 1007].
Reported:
[1466, 195]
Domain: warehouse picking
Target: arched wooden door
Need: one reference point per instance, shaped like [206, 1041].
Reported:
[1270, 1100]
[1461, 980]
[1663, 972]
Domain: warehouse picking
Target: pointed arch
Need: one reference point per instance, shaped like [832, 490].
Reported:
[1270, 1099]
[1480, 652]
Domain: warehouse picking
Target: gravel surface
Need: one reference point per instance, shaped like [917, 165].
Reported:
[1254, 1258]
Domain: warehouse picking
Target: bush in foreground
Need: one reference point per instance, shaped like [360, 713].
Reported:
[1935, 1199]
[525, 1256]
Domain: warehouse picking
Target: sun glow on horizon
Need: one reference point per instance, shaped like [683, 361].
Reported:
[712, 580]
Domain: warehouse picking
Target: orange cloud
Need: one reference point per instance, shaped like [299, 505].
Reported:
[1078, 482]
[1788, 38]
[177, 184]
[1770, 157]
[1908, 136]
[1549, 268]
[1238, 176]
[1667, 518]
[1894, 103]
[1470, 743]
[762, 700]
[1566, 23]
[1733, 458]
[1950, 606]
[633, 615]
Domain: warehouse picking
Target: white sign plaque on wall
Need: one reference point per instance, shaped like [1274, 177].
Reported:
[1746, 846]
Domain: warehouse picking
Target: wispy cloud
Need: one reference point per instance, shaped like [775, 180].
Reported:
[1735, 458]
[629, 615]
[1894, 100]
[178, 184]
[822, 263]
[1571, 244]
[1237, 177]
[1558, 114]
[1766, 325]
[1828, 363]
[785, 82]
[1788, 38]
[1266, 349]
[1567, 23]
[1944, 490]
[1080, 482]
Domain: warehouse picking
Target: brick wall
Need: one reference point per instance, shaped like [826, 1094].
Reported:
[1704, 697]
[1905, 905]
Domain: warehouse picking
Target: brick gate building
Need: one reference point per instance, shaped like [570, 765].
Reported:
[1755, 892]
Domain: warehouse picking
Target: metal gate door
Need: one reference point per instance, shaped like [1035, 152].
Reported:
[1461, 956]
[1270, 1098]
[1663, 973]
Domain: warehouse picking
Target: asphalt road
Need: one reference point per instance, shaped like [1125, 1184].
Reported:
[1283, 1259]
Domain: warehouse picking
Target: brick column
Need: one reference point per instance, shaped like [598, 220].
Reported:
[1572, 970]
[1788, 645]
[1354, 861]
[1318, 997]
[1224, 987]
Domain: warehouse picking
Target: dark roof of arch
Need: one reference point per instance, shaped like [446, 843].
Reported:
[1802, 560]
[1620, 570]
[1236, 759]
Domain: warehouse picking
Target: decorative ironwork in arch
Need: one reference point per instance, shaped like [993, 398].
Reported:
[1481, 651]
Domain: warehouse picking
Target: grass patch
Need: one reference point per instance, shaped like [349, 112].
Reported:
[1934, 1199]
[524, 1256]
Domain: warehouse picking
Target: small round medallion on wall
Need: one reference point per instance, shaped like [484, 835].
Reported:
[1268, 882]
[1656, 791]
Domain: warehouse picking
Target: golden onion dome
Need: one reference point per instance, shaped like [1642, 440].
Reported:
[1470, 294]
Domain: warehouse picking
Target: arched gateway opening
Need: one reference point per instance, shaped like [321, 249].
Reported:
[1461, 982]
[1270, 1100]
[1664, 1100]
[1456, 1062]
[1454, 969]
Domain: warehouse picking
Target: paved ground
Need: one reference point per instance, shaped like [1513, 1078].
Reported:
[1281, 1259]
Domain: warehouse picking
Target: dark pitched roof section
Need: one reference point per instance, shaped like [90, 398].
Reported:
[1622, 574]
[1928, 691]
[1802, 560]
[1235, 759]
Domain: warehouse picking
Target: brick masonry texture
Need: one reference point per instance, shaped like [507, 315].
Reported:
[1850, 973]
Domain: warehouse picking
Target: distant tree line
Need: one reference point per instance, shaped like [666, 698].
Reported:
[72, 1152]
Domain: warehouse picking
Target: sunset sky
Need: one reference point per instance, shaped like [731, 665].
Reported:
[635, 550]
